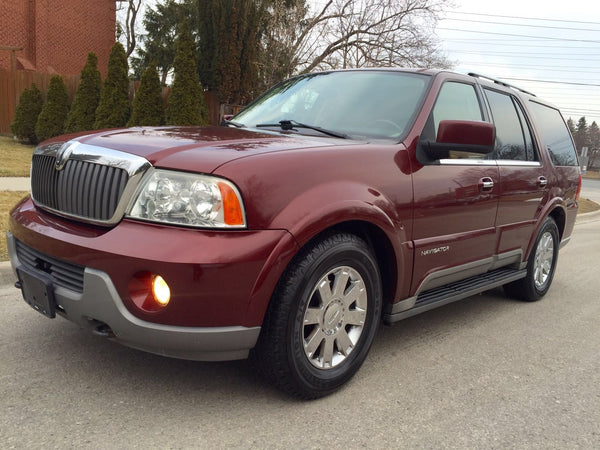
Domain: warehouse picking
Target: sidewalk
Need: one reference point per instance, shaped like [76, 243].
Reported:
[14, 184]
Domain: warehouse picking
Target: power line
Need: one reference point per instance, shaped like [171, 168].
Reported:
[525, 66]
[502, 43]
[520, 25]
[524, 18]
[521, 35]
[487, 52]
[551, 81]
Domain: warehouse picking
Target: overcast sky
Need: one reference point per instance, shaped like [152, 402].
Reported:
[510, 40]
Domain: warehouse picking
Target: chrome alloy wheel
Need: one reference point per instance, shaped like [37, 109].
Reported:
[334, 318]
[544, 258]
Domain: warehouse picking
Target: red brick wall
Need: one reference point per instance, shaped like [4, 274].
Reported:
[58, 34]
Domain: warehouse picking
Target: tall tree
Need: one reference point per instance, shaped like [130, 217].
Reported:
[114, 109]
[284, 21]
[186, 100]
[162, 25]
[229, 34]
[83, 110]
[127, 23]
[571, 126]
[26, 114]
[148, 101]
[356, 33]
[51, 121]
[581, 134]
[594, 153]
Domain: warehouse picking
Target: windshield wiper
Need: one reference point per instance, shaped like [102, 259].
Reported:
[231, 122]
[287, 125]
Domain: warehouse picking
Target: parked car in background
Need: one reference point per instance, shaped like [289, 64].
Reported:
[334, 201]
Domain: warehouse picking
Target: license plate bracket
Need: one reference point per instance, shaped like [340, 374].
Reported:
[37, 291]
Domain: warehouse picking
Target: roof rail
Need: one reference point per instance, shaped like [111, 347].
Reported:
[502, 83]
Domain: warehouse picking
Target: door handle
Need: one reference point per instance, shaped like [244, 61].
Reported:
[542, 182]
[486, 184]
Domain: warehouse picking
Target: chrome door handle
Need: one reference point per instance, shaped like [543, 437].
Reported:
[486, 184]
[542, 182]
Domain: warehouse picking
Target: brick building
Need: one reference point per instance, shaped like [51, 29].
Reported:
[56, 35]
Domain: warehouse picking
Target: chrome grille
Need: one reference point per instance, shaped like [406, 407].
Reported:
[82, 188]
[85, 182]
[64, 274]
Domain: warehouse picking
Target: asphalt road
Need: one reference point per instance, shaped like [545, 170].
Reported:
[590, 189]
[487, 372]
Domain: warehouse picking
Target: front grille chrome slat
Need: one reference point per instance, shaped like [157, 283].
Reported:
[93, 185]
[72, 191]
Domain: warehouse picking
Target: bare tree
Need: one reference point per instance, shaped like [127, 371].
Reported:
[355, 33]
[126, 23]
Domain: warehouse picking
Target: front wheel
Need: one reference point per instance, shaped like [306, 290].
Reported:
[322, 317]
[540, 267]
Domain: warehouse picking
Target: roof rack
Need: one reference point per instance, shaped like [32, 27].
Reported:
[502, 83]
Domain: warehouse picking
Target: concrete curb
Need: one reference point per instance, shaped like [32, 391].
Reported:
[588, 217]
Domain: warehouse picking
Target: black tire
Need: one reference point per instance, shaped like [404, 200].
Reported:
[284, 352]
[539, 277]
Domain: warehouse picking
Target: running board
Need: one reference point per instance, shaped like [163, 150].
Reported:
[457, 291]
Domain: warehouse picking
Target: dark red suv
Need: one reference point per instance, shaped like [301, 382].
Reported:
[334, 201]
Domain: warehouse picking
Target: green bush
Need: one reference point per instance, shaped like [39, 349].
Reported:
[114, 109]
[186, 101]
[26, 115]
[148, 101]
[51, 121]
[83, 110]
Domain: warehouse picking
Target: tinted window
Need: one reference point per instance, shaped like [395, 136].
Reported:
[362, 104]
[555, 134]
[510, 140]
[456, 101]
[531, 154]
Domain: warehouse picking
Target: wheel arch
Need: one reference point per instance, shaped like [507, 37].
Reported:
[560, 217]
[381, 245]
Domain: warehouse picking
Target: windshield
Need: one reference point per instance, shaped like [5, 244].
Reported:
[360, 104]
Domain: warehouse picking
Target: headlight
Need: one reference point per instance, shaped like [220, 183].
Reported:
[188, 199]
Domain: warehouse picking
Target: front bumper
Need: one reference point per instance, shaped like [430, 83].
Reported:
[99, 307]
[221, 282]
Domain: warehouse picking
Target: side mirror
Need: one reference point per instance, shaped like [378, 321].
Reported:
[461, 135]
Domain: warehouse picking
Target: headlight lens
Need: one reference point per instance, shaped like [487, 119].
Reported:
[188, 199]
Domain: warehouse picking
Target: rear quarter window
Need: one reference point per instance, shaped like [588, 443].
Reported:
[555, 134]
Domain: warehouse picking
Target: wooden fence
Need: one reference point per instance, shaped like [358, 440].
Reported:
[13, 84]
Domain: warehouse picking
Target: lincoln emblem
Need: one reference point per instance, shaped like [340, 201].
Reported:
[62, 156]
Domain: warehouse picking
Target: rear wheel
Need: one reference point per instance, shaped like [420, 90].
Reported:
[322, 318]
[540, 267]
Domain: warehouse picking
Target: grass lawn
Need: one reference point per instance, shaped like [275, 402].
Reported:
[8, 199]
[586, 206]
[15, 158]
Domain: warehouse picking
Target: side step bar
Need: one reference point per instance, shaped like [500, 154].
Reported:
[457, 291]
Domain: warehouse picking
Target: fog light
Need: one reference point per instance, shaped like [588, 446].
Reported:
[160, 290]
[149, 292]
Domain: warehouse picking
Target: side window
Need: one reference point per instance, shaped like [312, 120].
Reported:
[555, 134]
[510, 138]
[456, 101]
[530, 146]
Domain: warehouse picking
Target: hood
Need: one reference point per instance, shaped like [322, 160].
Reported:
[201, 149]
